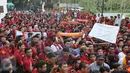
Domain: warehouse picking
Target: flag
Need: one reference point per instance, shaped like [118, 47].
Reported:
[18, 33]
[104, 32]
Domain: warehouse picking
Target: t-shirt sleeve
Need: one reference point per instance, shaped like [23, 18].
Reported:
[120, 62]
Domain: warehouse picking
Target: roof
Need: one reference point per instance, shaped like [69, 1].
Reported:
[68, 5]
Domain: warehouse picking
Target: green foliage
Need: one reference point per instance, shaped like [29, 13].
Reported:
[93, 5]
[109, 5]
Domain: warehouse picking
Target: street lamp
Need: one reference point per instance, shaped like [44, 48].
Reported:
[102, 7]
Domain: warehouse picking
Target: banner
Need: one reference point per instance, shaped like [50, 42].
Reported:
[28, 34]
[18, 33]
[104, 32]
[81, 20]
[69, 22]
[77, 34]
[31, 34]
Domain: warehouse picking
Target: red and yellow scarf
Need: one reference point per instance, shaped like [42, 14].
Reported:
[125, 63]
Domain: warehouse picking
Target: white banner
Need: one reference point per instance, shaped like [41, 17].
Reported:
[28, 34]
[104, 32]
[31, 34]
[18, 33]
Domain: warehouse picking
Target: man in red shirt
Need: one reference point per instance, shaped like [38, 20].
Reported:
[50, 61]
[66, 56]
[43, 54]
[41, 67]
[5, 51]
[20, 39]
[28, 61]
[19, 54]
[84, 54]
[75, 65]
[83, 68]
[63, 67]
[92, 58]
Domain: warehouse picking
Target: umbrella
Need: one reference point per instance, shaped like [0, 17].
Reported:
[11, 5]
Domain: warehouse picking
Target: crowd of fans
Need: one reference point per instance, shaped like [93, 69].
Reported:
[50, 53]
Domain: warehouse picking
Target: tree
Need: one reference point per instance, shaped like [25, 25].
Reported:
[110, 5]
[93, 5]
[126, 5]
[89, 4]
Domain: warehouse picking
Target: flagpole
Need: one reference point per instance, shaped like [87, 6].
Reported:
[102, 7]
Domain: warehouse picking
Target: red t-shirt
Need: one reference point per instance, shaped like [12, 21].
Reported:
[13, 33]
[19, 57]
[34, 71]
[34, 50]
[111, 22]
[67, 59]
[41, 45]
[84, 59]
[3, 53]
[42, 56]
[128, 25]
[78, 71]
[28, 64]
[9, 51]
[25, 44]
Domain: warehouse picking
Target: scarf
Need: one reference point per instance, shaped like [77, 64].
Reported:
[125, 63]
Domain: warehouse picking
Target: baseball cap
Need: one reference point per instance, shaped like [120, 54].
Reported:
[100, 57]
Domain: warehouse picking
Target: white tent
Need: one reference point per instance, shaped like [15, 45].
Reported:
[4, 4]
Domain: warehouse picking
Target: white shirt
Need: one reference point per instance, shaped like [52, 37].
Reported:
[121, 55]
[95, 67]
[75, 14]
[121, 61]
[97, 19]
[118, 21]
[55, 48]
[44, 34]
